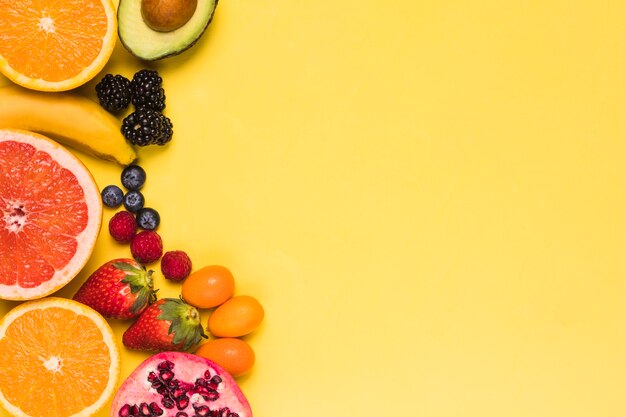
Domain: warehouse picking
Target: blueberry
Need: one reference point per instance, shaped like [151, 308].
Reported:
[133, 201]
[112, 196]
[133, 177]
[148, 218]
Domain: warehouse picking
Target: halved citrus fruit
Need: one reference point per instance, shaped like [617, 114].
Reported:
[50, 215]
[55, 45]
[59, 358]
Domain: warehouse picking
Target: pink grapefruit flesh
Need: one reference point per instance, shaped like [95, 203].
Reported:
[50, 215]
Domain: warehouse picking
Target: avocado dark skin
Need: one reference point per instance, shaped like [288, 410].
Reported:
[138, 37]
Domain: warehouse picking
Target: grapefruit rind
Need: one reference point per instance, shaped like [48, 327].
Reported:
[86, 240]
[89, 72]
[101, 324]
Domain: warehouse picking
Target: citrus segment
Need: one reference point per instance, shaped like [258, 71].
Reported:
[50, 214]
[59, 359]
[55, 45]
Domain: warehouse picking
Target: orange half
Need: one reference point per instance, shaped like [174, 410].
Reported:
[55, 45]
[59, 358]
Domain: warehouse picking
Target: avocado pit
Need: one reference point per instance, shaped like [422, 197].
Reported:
[167, 15]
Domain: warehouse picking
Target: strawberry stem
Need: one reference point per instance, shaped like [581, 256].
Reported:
[141, 283]
[184, 321]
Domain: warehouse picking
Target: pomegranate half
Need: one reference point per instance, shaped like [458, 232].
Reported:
[178, 384]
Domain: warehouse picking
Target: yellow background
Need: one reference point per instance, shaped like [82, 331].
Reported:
[427, 197]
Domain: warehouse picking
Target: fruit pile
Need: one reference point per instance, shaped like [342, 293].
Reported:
[52, 211]
[124, 289]
[147, 125]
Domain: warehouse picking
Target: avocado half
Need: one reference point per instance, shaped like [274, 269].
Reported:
[148, 44]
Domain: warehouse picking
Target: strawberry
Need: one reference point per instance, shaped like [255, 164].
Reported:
[168, 324]
[119, 289]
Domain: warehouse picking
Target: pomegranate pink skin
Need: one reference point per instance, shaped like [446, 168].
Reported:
[137, 389]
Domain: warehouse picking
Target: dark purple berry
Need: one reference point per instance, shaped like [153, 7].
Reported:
[133, 201]
[133, 177]
[147, 89]
[112, 196]
[114, 92]
[148, 218]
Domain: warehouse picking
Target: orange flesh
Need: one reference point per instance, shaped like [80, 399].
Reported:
[43, 209]
[55, 362]
[51, 40]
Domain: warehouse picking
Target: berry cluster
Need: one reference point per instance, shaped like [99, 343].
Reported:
[146, 245]
[147, 125]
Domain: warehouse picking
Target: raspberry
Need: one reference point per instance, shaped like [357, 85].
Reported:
[176, 265]
[123, 226]
[146, 247]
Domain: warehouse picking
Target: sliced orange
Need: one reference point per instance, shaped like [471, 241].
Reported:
[59, 358]
[55, 45]
[50, 215]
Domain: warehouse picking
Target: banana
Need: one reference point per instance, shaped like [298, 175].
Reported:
[68, 118]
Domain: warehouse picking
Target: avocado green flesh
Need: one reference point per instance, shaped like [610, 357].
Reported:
[150, 45]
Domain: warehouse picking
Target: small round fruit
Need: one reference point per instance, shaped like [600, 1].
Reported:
[176, 265]
[234, 355]
[236, 317]
[146, 247]
[123, 226]
[167, 15]
[112, 196]
[208, 287]
[148, 218]
[133, 177]
[134, 201]
[113, 92]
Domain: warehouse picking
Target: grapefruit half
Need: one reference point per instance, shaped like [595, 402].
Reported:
[50, 215]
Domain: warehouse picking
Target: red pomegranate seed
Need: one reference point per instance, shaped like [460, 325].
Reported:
[144, 410]
[124, 411]
[178, 392]
[166, 365]
[167, 402]
[202, 411]
[167, 375]
[154, 407]
[182, 402]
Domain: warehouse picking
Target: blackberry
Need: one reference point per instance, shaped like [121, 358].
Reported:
[147, 127]
[112, 196]
[114, 92]
[147, 90]
[133, 177]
